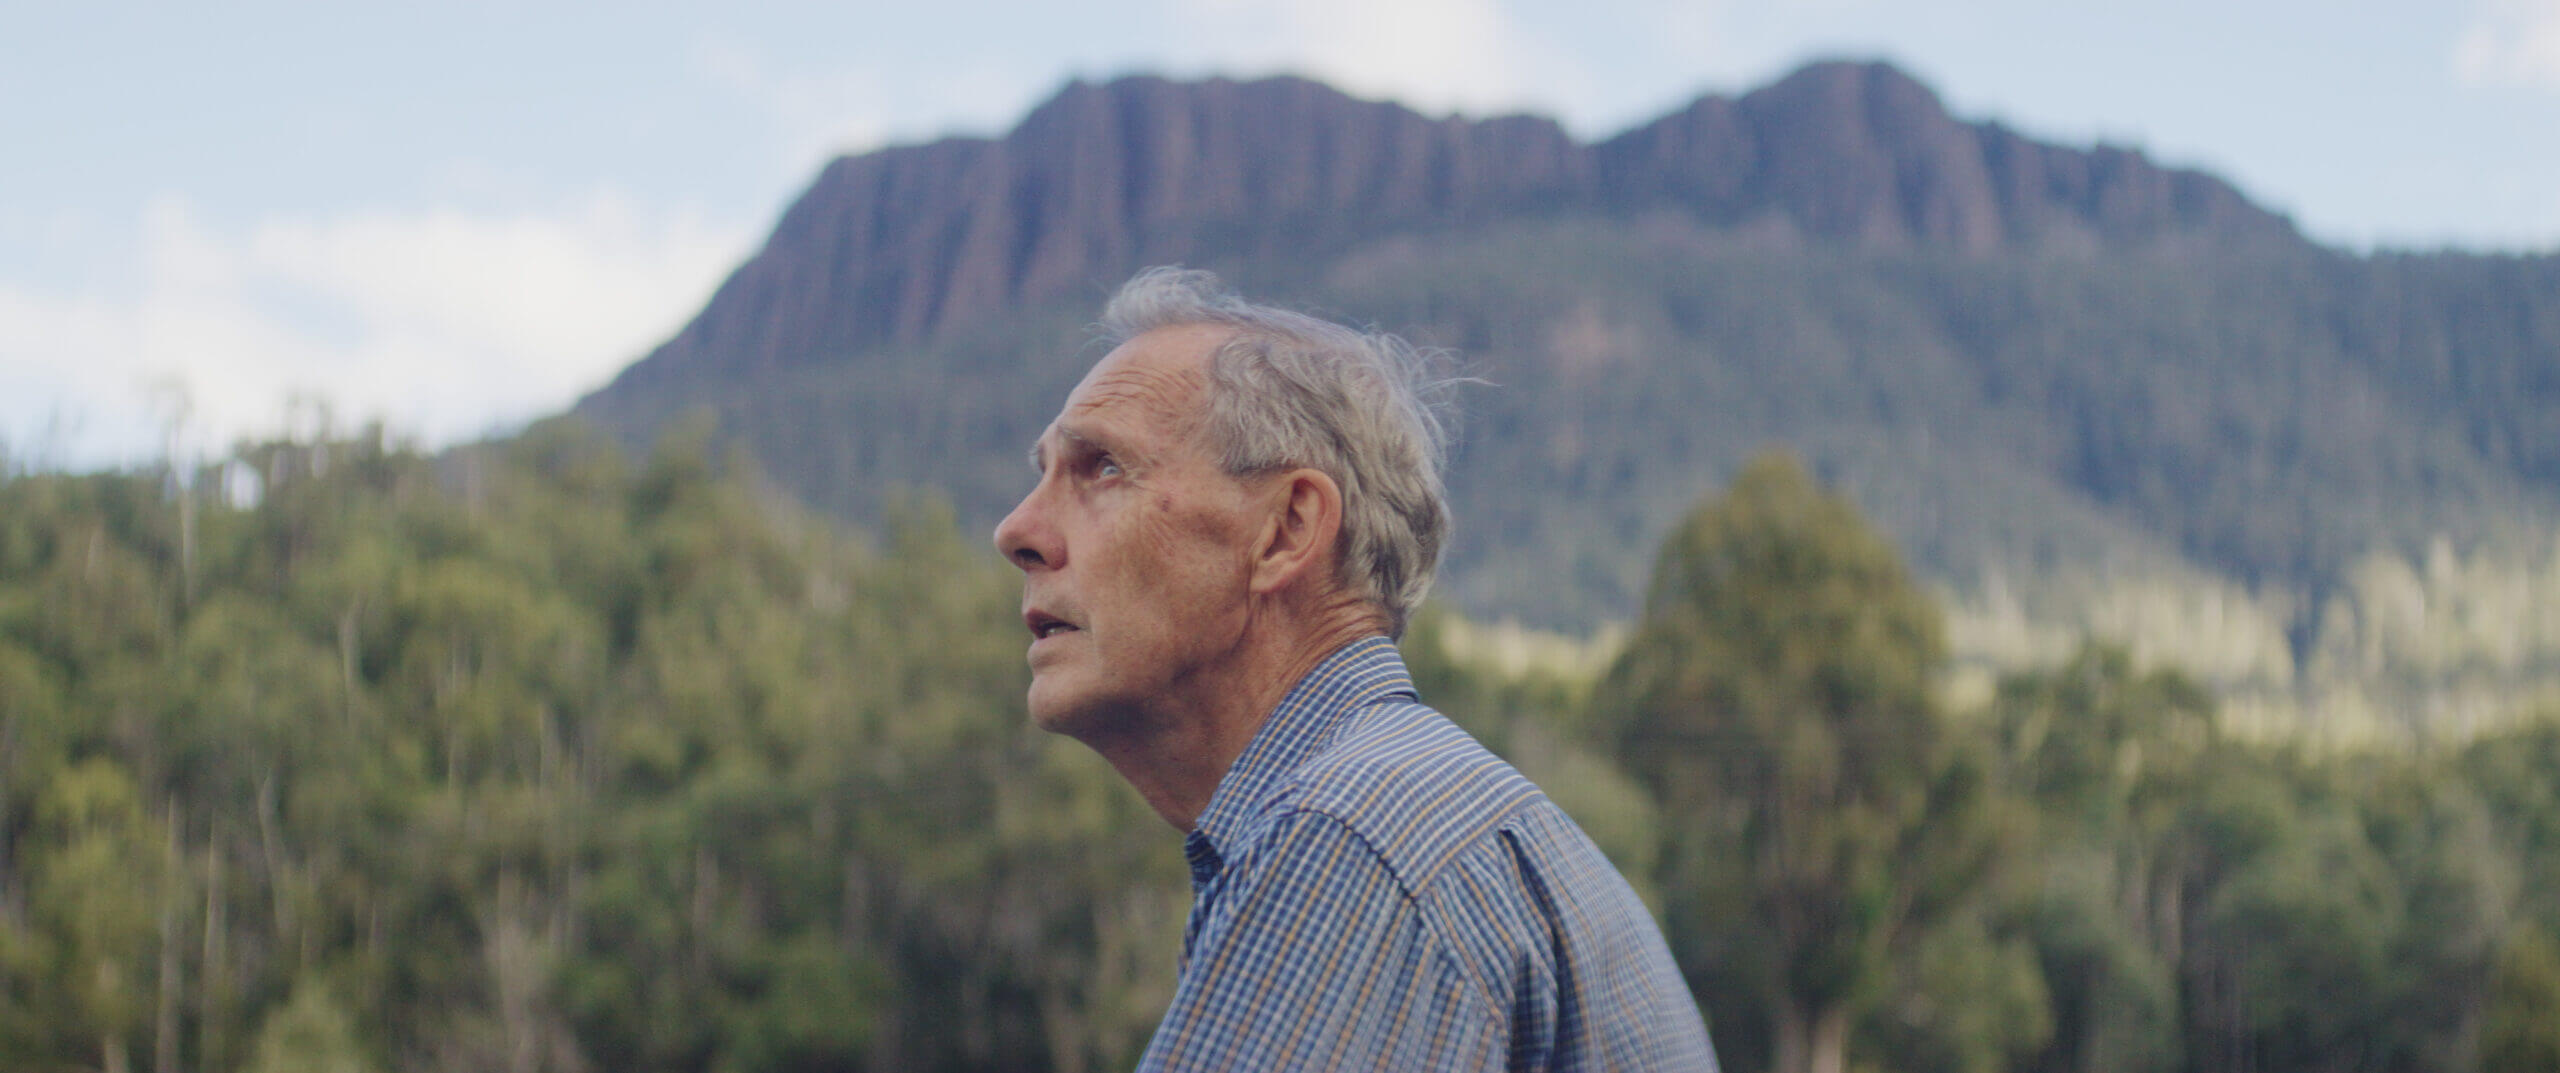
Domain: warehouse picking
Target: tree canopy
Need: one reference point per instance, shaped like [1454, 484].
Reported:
[530, 756]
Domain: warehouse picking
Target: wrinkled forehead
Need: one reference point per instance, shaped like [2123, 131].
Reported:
[1158, 382]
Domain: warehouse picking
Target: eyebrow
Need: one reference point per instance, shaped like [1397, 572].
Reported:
[1039, 452]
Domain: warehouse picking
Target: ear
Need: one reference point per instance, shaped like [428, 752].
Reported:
[1299, 536]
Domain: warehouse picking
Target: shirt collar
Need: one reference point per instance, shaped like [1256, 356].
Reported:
[1354, 676]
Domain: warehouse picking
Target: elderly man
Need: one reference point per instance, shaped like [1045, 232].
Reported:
[1236, 510]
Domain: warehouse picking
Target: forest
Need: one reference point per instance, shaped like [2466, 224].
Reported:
[540, 756]
[2267, 417]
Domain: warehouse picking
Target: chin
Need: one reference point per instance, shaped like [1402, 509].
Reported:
[1060, 708]
[1053, 707]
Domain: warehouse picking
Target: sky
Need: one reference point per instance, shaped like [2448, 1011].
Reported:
[456, 217]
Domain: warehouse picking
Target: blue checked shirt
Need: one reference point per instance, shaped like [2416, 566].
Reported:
[1372, 890]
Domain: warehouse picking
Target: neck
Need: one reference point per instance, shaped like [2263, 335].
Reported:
[1176, 759]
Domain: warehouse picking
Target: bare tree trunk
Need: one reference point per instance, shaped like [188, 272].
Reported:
[164, 1024]
[1809, 1041]
[706, 878]
[186, 546]
[1791, 1043]
[347, 661]
[210, 971]
[514, 969]
[278, 869]
[1064, 1030]
[1830, 1041]
[8, 760]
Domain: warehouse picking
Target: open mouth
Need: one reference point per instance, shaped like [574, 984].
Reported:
[1044, 626]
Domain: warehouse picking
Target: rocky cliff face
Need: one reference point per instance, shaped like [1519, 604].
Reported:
[1864, 154]
[896, 246]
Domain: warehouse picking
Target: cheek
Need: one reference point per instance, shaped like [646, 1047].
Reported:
[1172, 539]
[1190, 566]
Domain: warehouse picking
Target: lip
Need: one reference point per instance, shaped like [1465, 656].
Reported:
[1044, 625]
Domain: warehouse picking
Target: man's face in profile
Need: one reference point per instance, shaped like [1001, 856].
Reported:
[1134, 547]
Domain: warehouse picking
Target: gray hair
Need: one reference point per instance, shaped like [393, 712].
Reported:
[1290, 390]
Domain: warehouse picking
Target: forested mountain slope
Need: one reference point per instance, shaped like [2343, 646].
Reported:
[2026, 360]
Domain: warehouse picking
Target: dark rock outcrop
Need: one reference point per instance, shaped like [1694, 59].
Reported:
[896, 246]
[1863, 153]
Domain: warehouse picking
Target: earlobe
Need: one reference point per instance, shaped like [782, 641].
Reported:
[1299, 535]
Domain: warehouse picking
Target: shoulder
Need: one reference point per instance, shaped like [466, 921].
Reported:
[1415, 789]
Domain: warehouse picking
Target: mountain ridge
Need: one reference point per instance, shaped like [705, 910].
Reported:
[895, 246]
[2065, 373]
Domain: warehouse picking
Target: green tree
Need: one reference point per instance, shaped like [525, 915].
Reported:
[2107, 756]
[1779, 698]
[98, 888]
[311, 1032]
[2521, 1033]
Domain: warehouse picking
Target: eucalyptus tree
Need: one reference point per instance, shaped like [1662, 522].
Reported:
[1822, 819]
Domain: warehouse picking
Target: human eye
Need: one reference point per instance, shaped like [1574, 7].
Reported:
[1106, 466]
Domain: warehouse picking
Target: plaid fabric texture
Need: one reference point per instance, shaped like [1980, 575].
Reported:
[1373, 890]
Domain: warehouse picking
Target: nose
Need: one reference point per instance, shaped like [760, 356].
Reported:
[1026, 537]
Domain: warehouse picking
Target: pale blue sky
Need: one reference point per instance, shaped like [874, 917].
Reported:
[459, 216]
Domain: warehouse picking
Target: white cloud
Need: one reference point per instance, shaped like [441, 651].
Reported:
[1458, 55]
[820, 116]
[441, 322]
[2511, 43]
[1694, 31]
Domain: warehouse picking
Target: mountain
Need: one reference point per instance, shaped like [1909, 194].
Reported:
[2027, 361]
[897, 246]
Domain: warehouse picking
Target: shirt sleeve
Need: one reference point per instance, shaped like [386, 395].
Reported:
[1314, 957]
